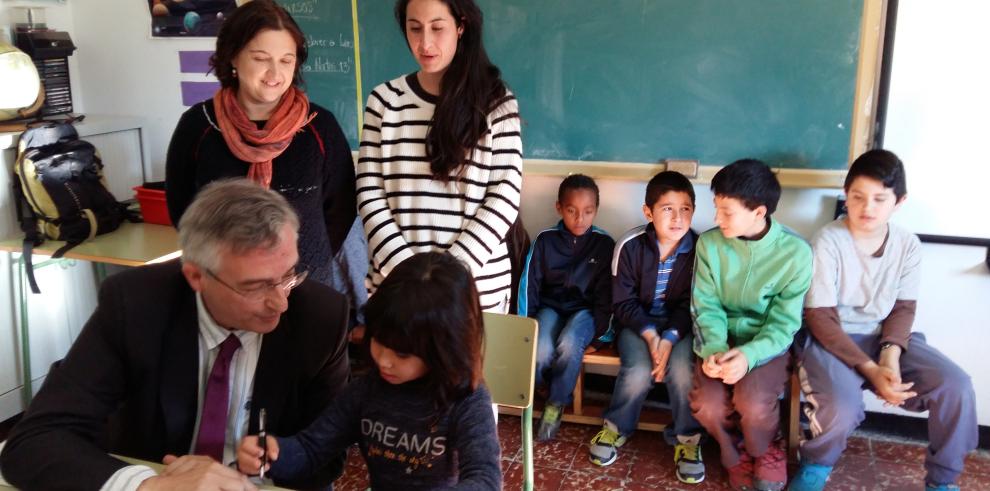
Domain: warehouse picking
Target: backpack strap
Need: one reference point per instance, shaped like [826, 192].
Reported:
[28, 221]
[69, 244]
[26, 253]
[93, 226]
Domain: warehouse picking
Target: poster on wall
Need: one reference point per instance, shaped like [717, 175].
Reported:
[189, 18]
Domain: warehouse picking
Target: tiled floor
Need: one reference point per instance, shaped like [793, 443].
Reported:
[646, 463]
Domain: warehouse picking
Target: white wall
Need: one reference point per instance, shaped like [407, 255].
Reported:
[937, 115]
[122, 70]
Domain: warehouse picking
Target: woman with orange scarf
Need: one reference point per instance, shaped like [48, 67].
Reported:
[262, 126]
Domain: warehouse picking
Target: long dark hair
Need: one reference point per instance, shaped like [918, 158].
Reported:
[242, 26]
[428, 307]
[470, 88]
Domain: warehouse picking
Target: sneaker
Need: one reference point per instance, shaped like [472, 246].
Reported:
[941, 487]
[810, 477]
[687, 459]
[603, 446]
[549, 422]
[770, 469]
[741, 474]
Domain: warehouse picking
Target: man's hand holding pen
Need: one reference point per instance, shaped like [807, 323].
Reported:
[255, 453]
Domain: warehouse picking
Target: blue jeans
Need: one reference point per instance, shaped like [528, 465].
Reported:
[635, 382]
[560, 349]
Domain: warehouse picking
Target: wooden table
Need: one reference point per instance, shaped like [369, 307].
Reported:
[133, 244]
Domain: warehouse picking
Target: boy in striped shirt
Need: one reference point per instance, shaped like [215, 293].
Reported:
[651, 293]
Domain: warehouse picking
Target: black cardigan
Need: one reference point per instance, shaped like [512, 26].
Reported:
[315, 174]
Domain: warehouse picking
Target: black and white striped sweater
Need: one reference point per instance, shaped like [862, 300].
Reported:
[406, 211]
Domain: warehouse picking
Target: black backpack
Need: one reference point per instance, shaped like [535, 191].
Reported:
[60, 191]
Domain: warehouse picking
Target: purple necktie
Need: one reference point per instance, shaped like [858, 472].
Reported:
[213, 422]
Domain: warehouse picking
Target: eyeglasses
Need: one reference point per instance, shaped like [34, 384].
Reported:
[261, 292]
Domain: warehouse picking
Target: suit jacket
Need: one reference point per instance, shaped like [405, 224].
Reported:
[129, 383]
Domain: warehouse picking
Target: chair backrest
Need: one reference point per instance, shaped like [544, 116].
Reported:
[4, 485]
[510, 359]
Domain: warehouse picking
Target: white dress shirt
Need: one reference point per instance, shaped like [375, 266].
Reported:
[242, 368]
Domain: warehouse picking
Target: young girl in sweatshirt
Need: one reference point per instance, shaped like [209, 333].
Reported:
[424, 419]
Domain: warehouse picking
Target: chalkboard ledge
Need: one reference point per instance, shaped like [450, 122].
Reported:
[789, 178]
[641, 171]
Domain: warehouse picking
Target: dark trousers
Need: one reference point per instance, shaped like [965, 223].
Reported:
[834, 392]
[751, 407]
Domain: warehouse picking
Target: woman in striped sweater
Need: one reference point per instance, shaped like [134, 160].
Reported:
[440, 165]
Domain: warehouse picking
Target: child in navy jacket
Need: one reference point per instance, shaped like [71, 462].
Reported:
[566, 288]
[652, 271]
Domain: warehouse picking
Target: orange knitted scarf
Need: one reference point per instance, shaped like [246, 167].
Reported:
[259, 147]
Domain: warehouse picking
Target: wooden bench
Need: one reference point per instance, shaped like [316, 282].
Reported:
[606, 362]
[792, 397]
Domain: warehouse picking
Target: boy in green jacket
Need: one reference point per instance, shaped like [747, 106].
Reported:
[750, 278]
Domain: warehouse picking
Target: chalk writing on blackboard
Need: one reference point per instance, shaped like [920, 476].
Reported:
[340, 42]
[302, 9]
[321, 64]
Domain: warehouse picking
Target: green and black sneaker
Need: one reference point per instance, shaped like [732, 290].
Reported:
[602, 450]
[549, 422]
[687, 459]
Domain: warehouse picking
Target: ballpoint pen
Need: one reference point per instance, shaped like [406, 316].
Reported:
[263, 441]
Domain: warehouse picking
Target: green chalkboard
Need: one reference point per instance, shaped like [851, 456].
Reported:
[330, 71]
[642, 80]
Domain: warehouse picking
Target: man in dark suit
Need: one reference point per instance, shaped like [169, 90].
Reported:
[149, 378]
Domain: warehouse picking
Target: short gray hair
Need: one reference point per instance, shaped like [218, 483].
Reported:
[235, 215]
